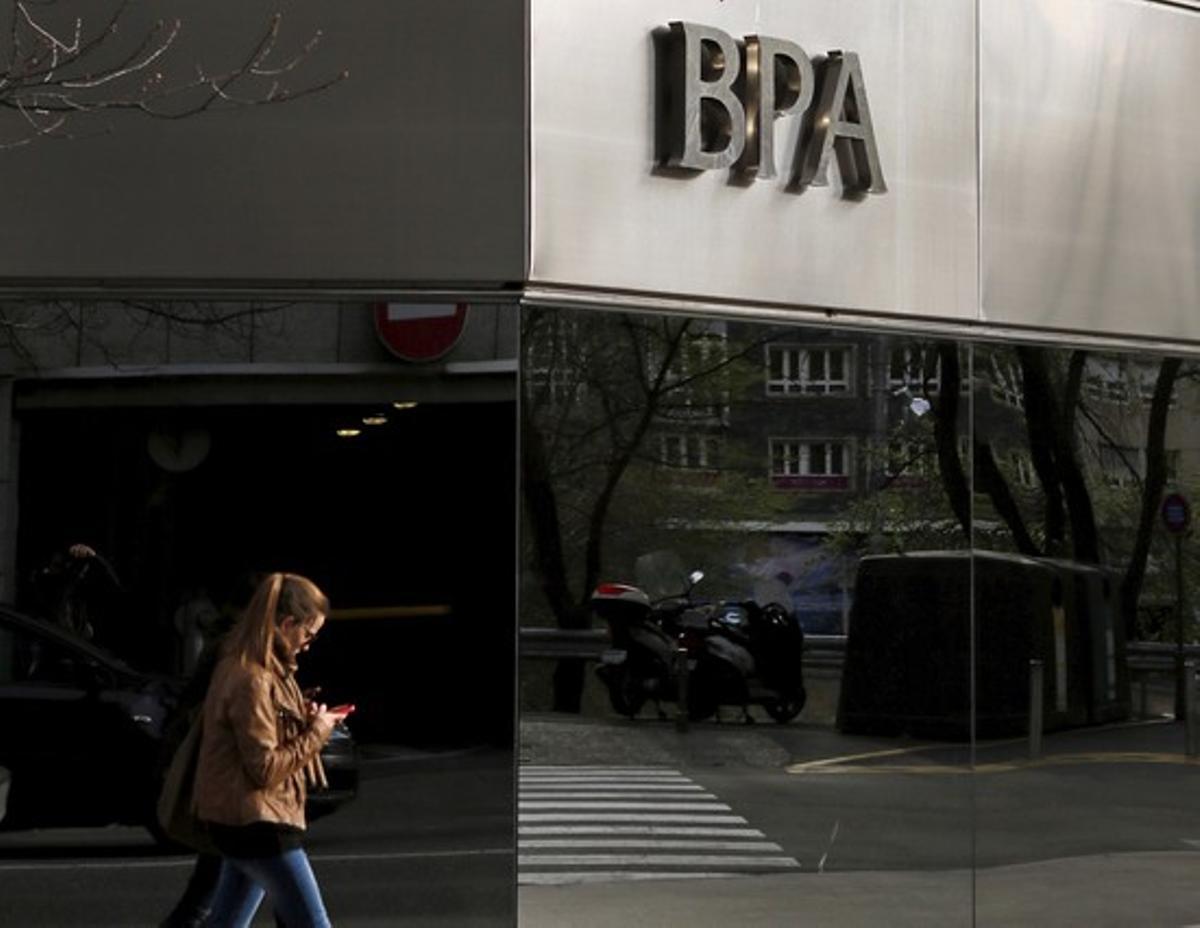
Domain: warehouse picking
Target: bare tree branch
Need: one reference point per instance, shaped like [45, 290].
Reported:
[50, 74]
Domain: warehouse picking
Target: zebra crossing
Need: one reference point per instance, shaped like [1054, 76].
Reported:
[602, 824]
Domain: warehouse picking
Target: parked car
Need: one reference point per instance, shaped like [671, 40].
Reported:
[81, 733]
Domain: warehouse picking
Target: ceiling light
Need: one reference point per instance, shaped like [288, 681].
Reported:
[404, 405]
[379, 419]
[348, 433]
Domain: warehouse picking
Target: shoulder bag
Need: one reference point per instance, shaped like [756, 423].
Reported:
[176, 811]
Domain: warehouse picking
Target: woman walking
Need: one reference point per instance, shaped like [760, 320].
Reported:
[258, 756]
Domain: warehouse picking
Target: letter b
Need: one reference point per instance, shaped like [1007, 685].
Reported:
[704, 121]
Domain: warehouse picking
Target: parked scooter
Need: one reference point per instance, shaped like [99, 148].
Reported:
[765, 644]
[736, 652]
[642, 663]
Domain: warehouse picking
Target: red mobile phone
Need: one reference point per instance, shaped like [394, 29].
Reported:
[344, 709]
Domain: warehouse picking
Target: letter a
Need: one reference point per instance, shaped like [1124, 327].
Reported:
[842, 122]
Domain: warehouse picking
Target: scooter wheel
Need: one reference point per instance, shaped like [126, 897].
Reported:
[787, 707]
[625, 691]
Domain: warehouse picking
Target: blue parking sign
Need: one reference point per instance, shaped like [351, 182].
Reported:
[1175, 513]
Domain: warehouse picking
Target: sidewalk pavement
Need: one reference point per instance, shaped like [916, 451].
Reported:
[550, 738]
[1158, 888]
[1111, 891]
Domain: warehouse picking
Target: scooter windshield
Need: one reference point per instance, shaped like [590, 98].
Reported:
[661, 574]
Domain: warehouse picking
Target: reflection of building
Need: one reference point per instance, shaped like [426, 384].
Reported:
[833, 419]
[825, 419]
[1119, 392]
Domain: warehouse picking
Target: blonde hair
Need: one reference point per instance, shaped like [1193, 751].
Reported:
[252, 639]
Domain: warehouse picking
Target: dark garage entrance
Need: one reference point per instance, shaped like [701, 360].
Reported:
[408, 525]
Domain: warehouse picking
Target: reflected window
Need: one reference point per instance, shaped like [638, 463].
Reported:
[916, 367]
[553, 364]
[557, 387]
[1122, 466]
[1121, 380]
[818, 465]
[1006, 382]
[909, 460]
[690, 452]
[1105, 381]
[699, 392]
[798, 369]
[1022, 468]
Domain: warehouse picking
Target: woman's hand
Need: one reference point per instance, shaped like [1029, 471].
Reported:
[322, 718]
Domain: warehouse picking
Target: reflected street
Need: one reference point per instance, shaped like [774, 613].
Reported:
[870, 820]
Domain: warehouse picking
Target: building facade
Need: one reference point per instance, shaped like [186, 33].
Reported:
[783, 285]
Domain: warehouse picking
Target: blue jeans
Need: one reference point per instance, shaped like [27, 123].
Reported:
[287, 878]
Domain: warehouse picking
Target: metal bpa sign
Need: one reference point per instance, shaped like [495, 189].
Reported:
[718, 101]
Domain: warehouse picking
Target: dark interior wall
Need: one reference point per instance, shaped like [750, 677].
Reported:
[419, 512]
[411, 168]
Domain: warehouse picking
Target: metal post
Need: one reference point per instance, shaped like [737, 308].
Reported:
[1182, 706]
[1035, 709]
[681, 689]
[1189, 670]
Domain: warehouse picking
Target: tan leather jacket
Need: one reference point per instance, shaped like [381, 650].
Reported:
[258, 751]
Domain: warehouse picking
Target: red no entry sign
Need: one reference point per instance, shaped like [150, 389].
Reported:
[420, 331]
[1175, 512]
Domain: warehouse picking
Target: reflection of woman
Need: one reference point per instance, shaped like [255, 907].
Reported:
[259, 753]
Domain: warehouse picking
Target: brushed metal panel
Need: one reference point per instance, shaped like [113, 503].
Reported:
[605, 218]
[1091, 166]
[412, 169]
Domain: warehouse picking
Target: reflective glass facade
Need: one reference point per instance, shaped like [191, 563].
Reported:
[968, 539]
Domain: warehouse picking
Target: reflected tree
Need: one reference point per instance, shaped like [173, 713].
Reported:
[915, 494]
[1152, 487]
[1057, 416]
[1071, 414]
[598, 390]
